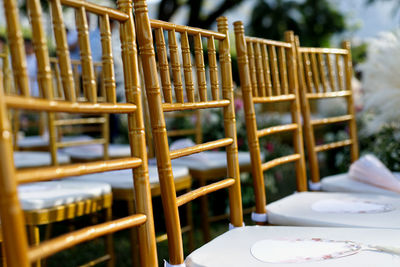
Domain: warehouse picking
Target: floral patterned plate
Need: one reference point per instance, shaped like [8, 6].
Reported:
[302, 250]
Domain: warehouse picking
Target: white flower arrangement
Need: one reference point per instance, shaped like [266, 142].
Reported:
[381, 81]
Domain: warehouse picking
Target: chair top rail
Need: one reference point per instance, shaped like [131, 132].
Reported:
[48, 248]
[195, 105]
[182, 29]
[268, 42]
[313, 50]
[58, 172]
[22, 102]
[97, 9]
[272, 99]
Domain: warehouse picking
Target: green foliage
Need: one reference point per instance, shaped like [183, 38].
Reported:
[315, 21]
[385, 145]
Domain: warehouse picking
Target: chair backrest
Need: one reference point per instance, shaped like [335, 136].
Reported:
[268, 75]
[195, 99]
[94, 123]
[326, 73]
[18, 253]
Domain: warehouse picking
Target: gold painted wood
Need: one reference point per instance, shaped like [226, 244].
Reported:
[267, 72]
[187, 67]
[333, 145]
[287, 70]
[163, 65]
[252, 67]
[339, 77]
[18, 253]
[175, 66]
[212, 62]
[63, 242]
[282, 70]
[200, 67]
[159, 132]
[204, 190]
[259, 70]
[201, 147]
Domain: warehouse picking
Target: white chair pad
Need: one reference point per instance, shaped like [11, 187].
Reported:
[92, 152]
[336, 210]
[33, 141]
[42, 141]
[123, 179]
[44, 195]
[27, 159]
[343, 183]
[210, 160]
[234, 248]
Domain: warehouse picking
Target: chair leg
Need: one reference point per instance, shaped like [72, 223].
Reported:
[189, 218]
[47, 236]
[205, 225]
[3, 255]
[34, 238]
[134, 237]
[109, 243]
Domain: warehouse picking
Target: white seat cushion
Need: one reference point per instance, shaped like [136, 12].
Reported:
[43, 140]
[27, 159]
[210, 160]
[243, 247]
[343, 183]
[92, 152]
[43, 195]
[123, 179]
[336, 210]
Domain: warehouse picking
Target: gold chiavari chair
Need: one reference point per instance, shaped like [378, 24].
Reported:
[272, 79]
[157, 108]
[233, 248]
[17, 250]
[262, 83]
[326, 73]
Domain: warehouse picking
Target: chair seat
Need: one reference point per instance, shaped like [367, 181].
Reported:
[28, 159]
[336, 210]
[35, 141]
[123, 179]
[210, 160]
[45, 195]
[343, 183]
[94, 152]
[245, 246]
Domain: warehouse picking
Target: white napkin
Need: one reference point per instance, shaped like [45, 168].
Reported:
[369, 169]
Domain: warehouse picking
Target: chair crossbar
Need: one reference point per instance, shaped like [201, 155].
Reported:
[178, 153]
[268, 42]
[99, 260]
[65, 241]
[272, 99]
[182, 132]
[20, 102]
[58, 172]
[81, 143]
[195, 105]
[279, 161]
[343, 93]
[336, 119]
[182, 29]
[97, 9]
[80, 121]
[333, 145]
[319, 50]
[204, 190]
[276, 129]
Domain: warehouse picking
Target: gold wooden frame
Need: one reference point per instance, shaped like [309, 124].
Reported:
[18, 253]
[157, 107]
[263, 80]
[319, 82]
